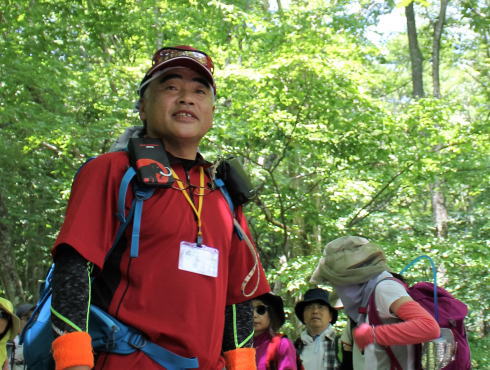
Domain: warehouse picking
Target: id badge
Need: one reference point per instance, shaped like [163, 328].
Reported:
[200, 260]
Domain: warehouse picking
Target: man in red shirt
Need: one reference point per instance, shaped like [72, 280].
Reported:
[200, 310]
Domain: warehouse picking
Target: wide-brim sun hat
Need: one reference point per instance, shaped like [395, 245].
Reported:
[7, 306]
[315, 295]
[179, 56]
[276, 304]
[349, 260]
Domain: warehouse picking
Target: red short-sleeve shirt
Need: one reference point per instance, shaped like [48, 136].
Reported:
[180, 310]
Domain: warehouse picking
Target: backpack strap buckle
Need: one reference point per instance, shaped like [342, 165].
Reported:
[137, 341]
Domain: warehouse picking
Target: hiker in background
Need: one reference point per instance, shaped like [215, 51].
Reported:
[9, 328]
[357, 268]
[23, 312]
[169, 292]
[273, 350]
[317, 345]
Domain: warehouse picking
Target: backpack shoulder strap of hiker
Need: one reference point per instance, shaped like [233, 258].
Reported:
[141, 193]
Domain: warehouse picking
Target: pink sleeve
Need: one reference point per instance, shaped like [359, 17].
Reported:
[286, 355]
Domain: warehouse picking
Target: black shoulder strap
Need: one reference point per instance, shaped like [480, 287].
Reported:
[299, 345]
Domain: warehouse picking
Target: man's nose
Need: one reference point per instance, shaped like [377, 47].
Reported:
[186, 97]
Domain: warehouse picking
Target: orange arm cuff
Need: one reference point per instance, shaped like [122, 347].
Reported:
[240, 359]
[73, 349]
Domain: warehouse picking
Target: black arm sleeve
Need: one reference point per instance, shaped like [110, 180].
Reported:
[71, 288]
[239, 320]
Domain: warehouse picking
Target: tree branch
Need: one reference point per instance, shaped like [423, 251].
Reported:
[371, 203]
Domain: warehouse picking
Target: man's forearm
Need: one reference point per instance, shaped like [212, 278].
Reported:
[72, 348]
[71, 288]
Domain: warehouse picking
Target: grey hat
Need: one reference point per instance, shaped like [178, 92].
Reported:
[23, 309]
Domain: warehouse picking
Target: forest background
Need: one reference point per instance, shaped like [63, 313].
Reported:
[384, 136]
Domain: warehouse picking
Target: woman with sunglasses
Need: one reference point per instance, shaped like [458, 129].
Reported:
[9, 328]
[274, 351]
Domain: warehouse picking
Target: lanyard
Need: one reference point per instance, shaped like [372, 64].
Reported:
[197, 211]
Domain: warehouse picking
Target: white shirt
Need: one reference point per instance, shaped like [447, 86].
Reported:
[375, 357]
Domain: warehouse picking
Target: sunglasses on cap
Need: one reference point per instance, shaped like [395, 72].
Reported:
[168, 53]
[4, 315]
[261, 309]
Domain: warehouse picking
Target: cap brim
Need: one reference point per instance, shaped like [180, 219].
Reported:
[182, 61]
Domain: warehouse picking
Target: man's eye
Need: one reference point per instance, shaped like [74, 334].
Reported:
[201, 91]
[170, 87]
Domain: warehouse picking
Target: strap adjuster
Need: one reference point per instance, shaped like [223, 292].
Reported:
[137, 341]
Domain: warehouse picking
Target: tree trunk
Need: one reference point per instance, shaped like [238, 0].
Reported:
[439, 210]
[9, 276]
[436, 46]
[416, 58]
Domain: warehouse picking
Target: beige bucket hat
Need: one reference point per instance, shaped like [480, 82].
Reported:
[349, 260]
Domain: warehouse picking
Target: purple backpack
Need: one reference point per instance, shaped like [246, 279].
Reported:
[451, 314]
[451, 349]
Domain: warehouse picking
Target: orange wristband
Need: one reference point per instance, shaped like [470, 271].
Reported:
[240, 359]
[73, 349]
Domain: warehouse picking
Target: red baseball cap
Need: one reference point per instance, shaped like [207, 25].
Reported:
[179, 56]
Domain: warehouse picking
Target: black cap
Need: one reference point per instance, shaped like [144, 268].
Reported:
[315, 295]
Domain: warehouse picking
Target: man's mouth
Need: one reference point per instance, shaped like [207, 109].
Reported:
[182, 114]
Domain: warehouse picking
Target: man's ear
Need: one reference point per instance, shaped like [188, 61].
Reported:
[141, 107]
[212, 122]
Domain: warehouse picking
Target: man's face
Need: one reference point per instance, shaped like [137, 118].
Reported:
[317, 317]
[178, 107]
